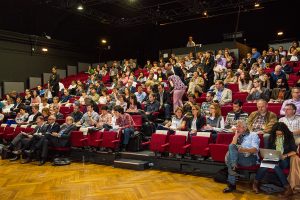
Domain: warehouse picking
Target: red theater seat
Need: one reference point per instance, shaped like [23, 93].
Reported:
[199, 146]
[156, 143]
[94, 139]
[78, 139]
[137, 121]
[219, 150]
[110, 139]
[177, 144]
[233, 87]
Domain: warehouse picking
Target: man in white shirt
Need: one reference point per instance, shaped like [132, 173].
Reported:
[292, 120]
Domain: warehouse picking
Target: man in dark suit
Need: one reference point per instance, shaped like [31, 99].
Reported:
[23, 139]
[61, 138]
[250, 60]
[54, 82]
[163, 98]
[39, 143]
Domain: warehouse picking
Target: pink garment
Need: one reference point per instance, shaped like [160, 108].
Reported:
[177, 98]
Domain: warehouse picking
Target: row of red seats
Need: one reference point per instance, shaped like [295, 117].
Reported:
[10, 132]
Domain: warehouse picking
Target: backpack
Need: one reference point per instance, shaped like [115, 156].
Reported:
[135, 142]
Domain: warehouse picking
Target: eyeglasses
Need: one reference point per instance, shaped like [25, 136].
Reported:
[195, 109]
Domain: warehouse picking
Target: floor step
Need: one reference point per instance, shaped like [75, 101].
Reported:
[132, 164]
[141, 155]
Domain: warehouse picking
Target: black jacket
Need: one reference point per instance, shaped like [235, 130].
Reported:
[166, 97]
[53, 128]
[200, 122]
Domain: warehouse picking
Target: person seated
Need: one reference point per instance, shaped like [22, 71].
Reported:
[215, 120]
[281, 139]
[197, 122]
[277, 74]
[205, 105]
[254, 70]
[140, 94]
[223, 95]
[292, 121]
[65, 98]
[72, 88]
[294, 100]
[76, 114]
[35, 113]
[130, 85]
[230, 77]
[190, 42]
[22, 116]
[280, 93]
[102, 98]
[187, 107]
[133, 106]
[35, 98]
[40, 91]
[89, 118]
[44, 104]
[18, 104]
[109, 102]
[126, 94]
[245, 82]
[236, 114]
[55, 111]
[94, 95]
[124, 123]
[163, 97]
[18, 143]
[38, 142]
[121, 102]
[262, 120]
[276, 57]
[55, 103]
[160, 75]
[241, 152]
[105, 119]
[286, 68]
[151, 106]
[177, 122]
[258, 92]
[141, 78]
[8, 105]
[220, 68]
[150, 80]
[196, 85]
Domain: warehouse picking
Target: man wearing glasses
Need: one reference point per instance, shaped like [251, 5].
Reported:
[294, 100]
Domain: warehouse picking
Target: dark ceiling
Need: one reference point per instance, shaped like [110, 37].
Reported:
[141, 27]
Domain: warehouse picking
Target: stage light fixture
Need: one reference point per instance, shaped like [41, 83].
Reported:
[204, 13]
[44, 50]
[80, 7]
[279, 33]
[257, 4]
[103, 41]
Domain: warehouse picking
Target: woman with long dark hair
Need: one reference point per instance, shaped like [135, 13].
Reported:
[281, 139]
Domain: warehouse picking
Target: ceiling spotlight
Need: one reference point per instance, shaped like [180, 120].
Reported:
[257, 4]
[80, 7]
[103, 41]
[44, 50]
[204, 13]
[280, 33]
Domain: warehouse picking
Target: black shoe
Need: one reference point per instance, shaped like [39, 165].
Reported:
[42, 162]
[28, 152]
[15, 158]
[229, 189]
[27, 160]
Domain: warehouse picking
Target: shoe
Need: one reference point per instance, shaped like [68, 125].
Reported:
[42, 162]
[233, 172]
[27, 160]
[15, 158]
[230, 188]
[17, 152]
[287, 192]
[255, 186]
[28, 152]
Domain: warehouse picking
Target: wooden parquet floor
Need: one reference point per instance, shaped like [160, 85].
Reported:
[97, 182]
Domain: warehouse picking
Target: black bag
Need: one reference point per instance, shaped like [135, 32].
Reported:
[221, 176]
[148, 128]
[135, 142]
[61, 161]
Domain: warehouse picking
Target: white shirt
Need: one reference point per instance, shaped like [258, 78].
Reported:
[293, 123]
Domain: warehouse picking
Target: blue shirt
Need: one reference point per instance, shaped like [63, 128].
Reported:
[251, 140]
[256, 55]
[140, 97]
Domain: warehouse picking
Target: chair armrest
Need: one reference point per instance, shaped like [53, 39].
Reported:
[84, 139]
[100, 140]
[10, 134]
[145, 143]
[115, 141]
[165, 145]
[187, 146]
